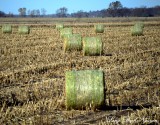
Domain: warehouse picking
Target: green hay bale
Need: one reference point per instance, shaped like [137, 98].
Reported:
[72, 42]
[139, 24]
[6, 29]
[92, 46]
[99, 28]
[66, 36]
[136, 31]
[65, 31]
[59, 26]
[23, 30]
[84, 88]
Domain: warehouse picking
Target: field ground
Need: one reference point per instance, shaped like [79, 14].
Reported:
[32, 73]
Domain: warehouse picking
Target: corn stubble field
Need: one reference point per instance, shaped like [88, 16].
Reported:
[33, 66]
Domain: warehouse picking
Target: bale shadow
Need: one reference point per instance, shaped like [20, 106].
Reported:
[137, 107]
[108, 54]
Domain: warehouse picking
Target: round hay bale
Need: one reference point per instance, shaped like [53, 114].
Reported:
[136, 30]
[66, 36]
[84, 88]
[139, 24]
[23, 30]
[6, 29]
[59, 26]
[72, 42]
[92, 46]
[99, 28]
[65, 31]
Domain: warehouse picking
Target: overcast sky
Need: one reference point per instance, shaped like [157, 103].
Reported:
[73, 5]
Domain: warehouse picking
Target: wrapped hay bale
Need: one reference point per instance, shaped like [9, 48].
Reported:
[66, 36]
[139, 24]
[136, 30]
[99, 28]
[59, 26]
[92, 46]
[72, 42]
[84, 88]
[23, 30]
[65, 31]
[6, 29]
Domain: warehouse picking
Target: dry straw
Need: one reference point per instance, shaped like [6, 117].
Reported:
[23, 30]
[59, 26]
[84, 88]
[6, 29]
[99, 28]
[92, 46]
[72, 42]
[65, 31]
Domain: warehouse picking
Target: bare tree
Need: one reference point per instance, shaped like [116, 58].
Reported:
[114, 8]
[115, 5]
[33, 12]
[29, 12]
[80, 14]
[62, 12]
[37, 12]
[2, 14]
[10, 14]
[43, 12]
[22, 12]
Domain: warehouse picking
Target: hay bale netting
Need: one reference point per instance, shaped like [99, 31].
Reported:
[139, 24]
[65, 31]
[6, 29]
[59, 26]
[99, 28]
[136, 31]
[84, 88]
[92, 46]
[23, 30]
[72, 42]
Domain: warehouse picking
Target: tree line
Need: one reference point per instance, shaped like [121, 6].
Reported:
[115, 9]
